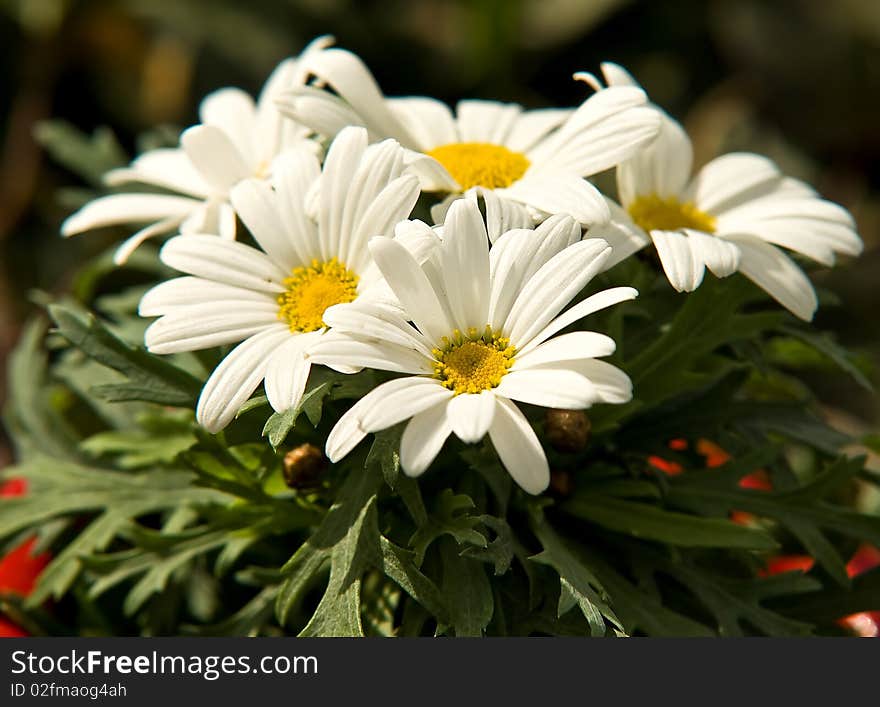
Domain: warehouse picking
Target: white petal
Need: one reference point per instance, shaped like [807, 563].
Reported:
[432, 175]
[553, 287]
[214, 156]
[616, 75]
[378, 166]
[205, 325]
[551, 388]
[470, 416]
[287, 372]
[519, 449]
[294, 174]
[624, 236]
[256, 204]
[576, 345]
[412, 288]
[485, 121]
[606, 129]
[683, 268]
[464, 262]
[663, 167]
[503, 214]
[560, 193]
[339, 169]
[731, 179]
[721, 257]
[233, 111]
[131, 244]
[127, 208]
[610, 383]
[347, 433]
[520, 254]
[167, 167]
[429, 121]
[375, 320]
[187, 291]
[418, 238]
[352, 80]
[388, 208]
[404, 402]
[422, 439]
[322, 112]
[237, 376]
[223, 261]
[341, 350]
[593, 303]
[533, 125]
[776, 273]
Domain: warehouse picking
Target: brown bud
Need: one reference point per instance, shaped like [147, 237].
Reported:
[303, 466]
[567, 430]
[561, 482]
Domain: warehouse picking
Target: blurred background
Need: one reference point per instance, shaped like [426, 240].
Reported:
[797, 80]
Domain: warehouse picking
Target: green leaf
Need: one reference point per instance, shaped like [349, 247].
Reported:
[829, 605]
[279, 424]
[32, 420]
[156, 442]
[451, 515]
[465, 582]
[500, 551]
[150, 378]
[339, 611]
[90, 157]
[304, 567]
[823, 343]
[578, 584]
[653, 523]
[399, 565]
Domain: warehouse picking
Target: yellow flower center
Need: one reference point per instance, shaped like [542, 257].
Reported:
[310, 290]
[654, 212]
[473, 362]
[480, 164]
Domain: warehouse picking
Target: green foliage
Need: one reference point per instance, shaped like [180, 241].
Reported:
[157, 527]
[89, 157]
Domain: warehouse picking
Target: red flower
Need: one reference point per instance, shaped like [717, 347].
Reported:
[19, 569]
[787, 563]
[864, 623]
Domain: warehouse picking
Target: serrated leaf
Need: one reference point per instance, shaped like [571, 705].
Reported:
[399, 565]
[578, 584]
[339, 611]
[450, 515]
[150, 378]
[303, 568]
[278, 426]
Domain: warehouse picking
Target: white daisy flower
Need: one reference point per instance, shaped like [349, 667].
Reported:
[236, 139]
[481, 336]
[729, 217]
[526, 163]
[273, 299]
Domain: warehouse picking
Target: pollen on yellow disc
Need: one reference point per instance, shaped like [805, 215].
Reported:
[481, 164]
[668, 214]
[311, 290]
[473, 362]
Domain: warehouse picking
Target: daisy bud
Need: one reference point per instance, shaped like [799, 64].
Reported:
[303, 466]
[561, 482]
[567, 430]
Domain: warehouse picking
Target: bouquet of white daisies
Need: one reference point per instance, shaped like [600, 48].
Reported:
[396, 369]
